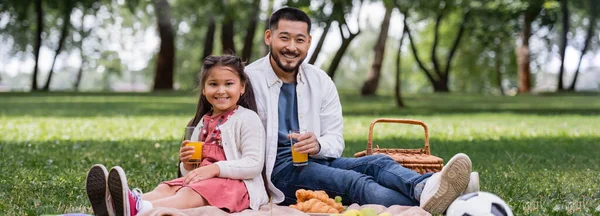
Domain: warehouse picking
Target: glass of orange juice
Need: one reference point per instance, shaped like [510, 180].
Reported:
[194, 142]
[298, 159]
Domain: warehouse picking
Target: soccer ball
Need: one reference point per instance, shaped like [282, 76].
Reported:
[479, 204]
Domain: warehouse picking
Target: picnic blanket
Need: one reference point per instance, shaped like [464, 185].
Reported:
[265, 210]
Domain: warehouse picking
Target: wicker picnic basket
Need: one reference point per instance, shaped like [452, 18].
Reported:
[419, 160]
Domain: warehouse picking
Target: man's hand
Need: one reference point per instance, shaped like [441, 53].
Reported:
[202, 173]
[307, 143]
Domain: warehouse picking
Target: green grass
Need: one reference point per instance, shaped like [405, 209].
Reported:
[539, 153]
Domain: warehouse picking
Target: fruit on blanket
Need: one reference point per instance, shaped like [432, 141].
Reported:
[353, 212]
[338, 199]
[368, 212]
[385, 214]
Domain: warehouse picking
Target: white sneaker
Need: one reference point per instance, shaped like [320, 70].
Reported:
[473, 183]
[443, 187]
[97, 191]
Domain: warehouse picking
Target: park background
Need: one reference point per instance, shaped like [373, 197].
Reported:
[512, 83]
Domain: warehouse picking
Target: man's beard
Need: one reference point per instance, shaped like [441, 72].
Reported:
[280, 65]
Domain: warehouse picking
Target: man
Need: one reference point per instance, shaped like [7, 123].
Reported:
[292, 95]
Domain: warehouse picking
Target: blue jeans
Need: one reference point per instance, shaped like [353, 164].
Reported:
[375, 179]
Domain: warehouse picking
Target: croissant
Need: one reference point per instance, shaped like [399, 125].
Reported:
[315, 206]
[304, 195]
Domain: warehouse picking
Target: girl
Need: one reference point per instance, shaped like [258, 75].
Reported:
[229, 175]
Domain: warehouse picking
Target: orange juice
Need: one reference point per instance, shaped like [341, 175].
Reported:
[197, 156]
[299, 159]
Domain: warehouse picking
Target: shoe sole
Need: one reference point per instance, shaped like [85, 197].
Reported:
[454, 180]
[95, 187]
[117, 185]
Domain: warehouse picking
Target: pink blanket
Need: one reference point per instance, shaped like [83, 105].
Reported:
[265, 210]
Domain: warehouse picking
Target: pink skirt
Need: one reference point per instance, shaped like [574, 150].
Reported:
[228, 194]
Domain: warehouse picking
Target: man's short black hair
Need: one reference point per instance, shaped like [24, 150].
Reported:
[288, 13]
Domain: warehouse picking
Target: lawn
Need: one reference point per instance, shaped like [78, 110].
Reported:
[539, 153]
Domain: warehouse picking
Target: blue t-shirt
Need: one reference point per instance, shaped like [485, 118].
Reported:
[288, 113]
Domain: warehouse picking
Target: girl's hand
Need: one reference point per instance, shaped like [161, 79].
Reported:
[202, 173]
[185, 153]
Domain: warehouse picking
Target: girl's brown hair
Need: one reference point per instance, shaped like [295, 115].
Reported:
[246, 100]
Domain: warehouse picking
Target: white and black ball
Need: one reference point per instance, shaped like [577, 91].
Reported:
[479, 204]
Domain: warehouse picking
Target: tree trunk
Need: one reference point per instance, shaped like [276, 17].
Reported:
[80, 71]
[83, 34]
[38, 42]
[265, 48]
[436, 65]
[415, 53]
[63, 35]
[370, 85]
[523, 55]
[227, 34]
[313, 57]
[340, 53]
[397, 88]
[335, 62]
[588, 38]
[564, 6]
[163, 79]
[461, 31]
[251, 31]
[209, 39]
[441, 85]
[498, 64]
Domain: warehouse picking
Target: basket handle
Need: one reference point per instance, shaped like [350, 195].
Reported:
[402, 121]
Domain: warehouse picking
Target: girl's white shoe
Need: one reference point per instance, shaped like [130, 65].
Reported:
[473, 183]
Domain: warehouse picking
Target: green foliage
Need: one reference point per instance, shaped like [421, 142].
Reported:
[492, 24]
[536, 152]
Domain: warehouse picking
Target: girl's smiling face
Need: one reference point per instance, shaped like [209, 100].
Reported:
[222, 88]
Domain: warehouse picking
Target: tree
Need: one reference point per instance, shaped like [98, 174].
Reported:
[251, 31]
[264, 47]
[593, 10]
[397, 88]
[39, 10]
[91, 7]
[346, 33]
[163, 77]
[486, 62]
[564, 6]
[370, 85]
[209, 39]
[315, 55]
[227, 30]
[321, 19]
[439, 76]
[66, 24]
[529, 13]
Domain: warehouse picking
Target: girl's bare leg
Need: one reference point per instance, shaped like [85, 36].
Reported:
[183, 199]
[160, 192]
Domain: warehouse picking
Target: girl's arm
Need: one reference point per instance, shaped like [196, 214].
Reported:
[252, 147]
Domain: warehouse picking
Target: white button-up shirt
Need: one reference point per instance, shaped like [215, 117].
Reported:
[319, 111]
